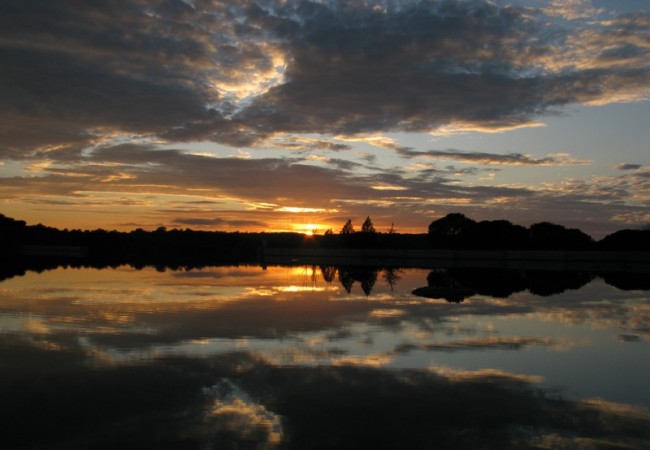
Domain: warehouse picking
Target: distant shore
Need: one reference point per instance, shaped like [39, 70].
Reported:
[595, 260]
[506, 259]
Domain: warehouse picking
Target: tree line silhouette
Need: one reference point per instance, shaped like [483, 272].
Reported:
[176, 248]
[456, 285]
[456, 231]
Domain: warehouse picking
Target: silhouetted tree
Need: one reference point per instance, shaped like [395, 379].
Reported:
[495, 234]
[451, 225]
[638, 240]
[12, 233]
[546, 235]
[367, 226]
[450, 230]
[347, 228]
[7, 224]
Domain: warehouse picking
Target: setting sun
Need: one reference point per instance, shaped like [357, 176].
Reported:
[308, 229]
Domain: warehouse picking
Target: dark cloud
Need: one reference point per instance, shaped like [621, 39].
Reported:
[469, 170]
[195, 221]
[307, 144]
[253, 179]
[422, 65]
[84, 64]
[344, 164]
[515, 159]
[484, 343]
[241, 72]
[626, 166]
[369, 158]
[412, 67]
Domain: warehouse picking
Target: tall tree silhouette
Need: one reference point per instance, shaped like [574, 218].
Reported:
[367, 226]
[347, 228]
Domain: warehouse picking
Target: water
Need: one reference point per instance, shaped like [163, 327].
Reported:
[323, 357]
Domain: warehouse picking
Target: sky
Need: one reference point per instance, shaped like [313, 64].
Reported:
[291, 115]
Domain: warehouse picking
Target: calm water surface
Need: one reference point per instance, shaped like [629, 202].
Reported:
[323, 357]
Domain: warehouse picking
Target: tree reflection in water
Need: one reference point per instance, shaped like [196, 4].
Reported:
[348, 275]
[456, 284]
[365, 275]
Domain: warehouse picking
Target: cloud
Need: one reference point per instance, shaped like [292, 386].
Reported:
[457, 375]
[627, 166]
[147, 170]
[513, 159]
[344, 164]
[233, 414]
[244, 73]
[453, 63]
[374, 360]
[376, 140]
[493, 127]
[196, 221]
[490, 342]
[458, 63]
[573, 9]
[306, 144]
[256, 192]
[291, 182]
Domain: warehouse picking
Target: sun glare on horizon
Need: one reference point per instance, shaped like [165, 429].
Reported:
[308, 229]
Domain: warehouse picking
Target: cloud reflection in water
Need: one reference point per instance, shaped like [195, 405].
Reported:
[314, 366]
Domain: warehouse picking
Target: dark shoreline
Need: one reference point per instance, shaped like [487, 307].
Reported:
[560, 260]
